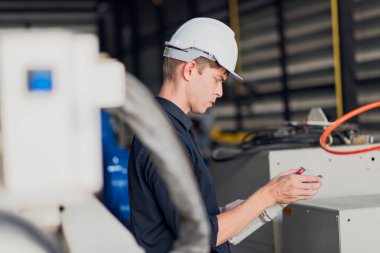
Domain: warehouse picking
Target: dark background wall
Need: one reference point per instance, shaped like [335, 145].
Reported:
[286, 50]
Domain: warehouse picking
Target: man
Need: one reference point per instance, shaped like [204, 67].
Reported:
[198, 58]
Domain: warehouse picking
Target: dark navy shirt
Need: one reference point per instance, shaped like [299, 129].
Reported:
[154, 220]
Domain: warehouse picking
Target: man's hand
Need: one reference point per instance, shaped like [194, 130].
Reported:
[285, 188]
[288, 187]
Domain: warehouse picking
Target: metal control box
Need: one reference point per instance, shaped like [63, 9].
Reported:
[333, 225]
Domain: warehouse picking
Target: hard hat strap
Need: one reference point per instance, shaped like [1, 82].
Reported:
[187, 54]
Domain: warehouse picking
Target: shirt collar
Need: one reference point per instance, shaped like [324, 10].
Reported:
[176, 112]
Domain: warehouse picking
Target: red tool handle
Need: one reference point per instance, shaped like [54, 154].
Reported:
[300, 171]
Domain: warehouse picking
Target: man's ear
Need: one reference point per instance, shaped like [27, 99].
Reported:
[189, 70]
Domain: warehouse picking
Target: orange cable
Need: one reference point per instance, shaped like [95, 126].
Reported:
[339, 121]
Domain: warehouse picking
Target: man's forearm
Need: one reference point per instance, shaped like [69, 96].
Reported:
[233, 221]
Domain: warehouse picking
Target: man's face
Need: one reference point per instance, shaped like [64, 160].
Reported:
[206, 87]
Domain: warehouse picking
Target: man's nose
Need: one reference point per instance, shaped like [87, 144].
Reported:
[219, 90]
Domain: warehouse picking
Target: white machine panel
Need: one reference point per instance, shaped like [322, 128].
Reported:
[343, 175]
[53, 84]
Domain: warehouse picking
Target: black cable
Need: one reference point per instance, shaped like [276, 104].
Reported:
[287, 137]
[37, 236]
[223, 155]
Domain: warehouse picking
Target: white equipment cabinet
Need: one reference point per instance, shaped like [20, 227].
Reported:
[334, 225]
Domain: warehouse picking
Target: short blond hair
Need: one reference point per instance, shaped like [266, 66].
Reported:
[170, 65]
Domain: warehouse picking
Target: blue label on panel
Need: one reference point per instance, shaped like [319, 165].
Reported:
[40, 80]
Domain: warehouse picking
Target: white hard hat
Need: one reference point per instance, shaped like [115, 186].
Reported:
[205, 37]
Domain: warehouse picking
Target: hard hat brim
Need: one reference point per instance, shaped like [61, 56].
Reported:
[235, 76]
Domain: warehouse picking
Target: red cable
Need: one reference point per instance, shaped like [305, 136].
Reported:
[339, 121]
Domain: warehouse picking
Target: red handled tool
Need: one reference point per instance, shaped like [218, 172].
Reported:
[300, 171]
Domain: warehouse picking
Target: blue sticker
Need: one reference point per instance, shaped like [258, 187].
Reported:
[40, 80]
